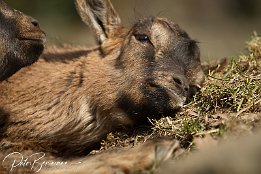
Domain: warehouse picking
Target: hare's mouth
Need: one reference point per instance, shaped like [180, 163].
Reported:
[34, 37]
[176, 101]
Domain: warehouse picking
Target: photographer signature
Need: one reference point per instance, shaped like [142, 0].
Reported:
[35, 161]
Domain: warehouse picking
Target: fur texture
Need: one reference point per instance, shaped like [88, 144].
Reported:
[21, 40]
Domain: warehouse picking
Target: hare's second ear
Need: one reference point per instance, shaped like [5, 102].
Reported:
[100, 16]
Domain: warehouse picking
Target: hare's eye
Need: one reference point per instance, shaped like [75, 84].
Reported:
[142, 37]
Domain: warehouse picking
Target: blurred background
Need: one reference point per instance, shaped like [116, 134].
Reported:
[221, 26]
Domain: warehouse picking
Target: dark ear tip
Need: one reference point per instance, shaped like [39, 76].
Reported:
[100, 16]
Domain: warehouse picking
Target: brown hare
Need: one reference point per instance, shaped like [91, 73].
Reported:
[68, 105]
[21, 40]
[70, 99]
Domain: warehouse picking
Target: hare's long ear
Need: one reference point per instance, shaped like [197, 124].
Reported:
[100, 16]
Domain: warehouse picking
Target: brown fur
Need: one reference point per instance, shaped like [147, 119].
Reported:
[240, 156]
[143, 157]
[71, 98]
[21, 40]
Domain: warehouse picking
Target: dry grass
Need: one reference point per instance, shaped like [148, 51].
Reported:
[228, 104]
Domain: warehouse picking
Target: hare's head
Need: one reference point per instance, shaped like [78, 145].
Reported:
[160, 61]
[21, 40]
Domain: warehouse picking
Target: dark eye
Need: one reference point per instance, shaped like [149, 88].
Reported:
[142, 37]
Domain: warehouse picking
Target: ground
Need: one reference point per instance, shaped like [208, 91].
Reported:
[227, 105]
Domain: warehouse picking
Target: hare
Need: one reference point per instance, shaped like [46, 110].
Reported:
[21, 40]
[69, 100]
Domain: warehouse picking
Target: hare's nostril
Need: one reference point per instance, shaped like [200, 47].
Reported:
[177, 81]
[35, 23]
[181, 83]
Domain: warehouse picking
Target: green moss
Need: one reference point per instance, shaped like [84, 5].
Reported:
[236, 87]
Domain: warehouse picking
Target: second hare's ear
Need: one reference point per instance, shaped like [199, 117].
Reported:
[100, 16]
